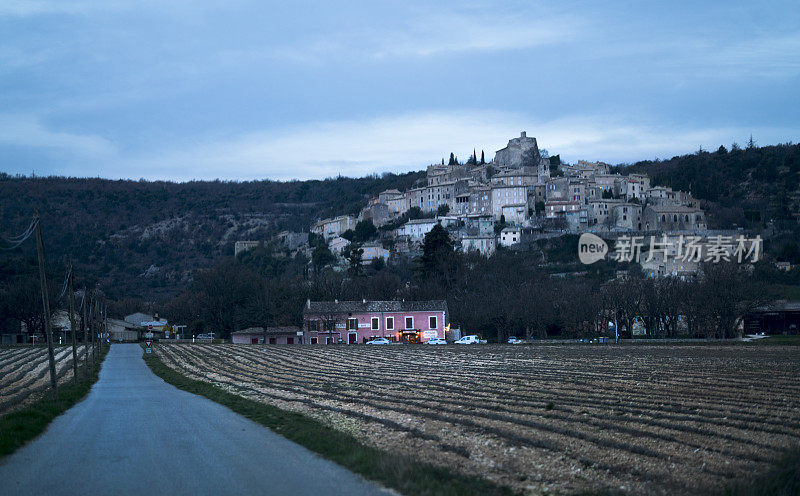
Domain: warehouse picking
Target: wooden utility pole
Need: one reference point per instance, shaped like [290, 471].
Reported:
[93, 329]
[85, 329]
[46, 305]
[72, 325]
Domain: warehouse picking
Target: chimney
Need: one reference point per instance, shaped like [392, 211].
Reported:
[523, 134]
[308, 303]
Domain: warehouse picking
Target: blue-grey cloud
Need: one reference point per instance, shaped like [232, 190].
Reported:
[246, 89]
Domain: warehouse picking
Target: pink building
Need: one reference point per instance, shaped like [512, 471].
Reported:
[331, 322]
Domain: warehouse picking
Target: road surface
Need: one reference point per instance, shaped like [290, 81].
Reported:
[136, 434]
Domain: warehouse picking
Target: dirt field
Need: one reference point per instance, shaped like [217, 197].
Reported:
[25, 373]
[641, 419]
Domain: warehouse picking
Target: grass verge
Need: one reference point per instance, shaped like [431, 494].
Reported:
[19, 427]
[399, 472]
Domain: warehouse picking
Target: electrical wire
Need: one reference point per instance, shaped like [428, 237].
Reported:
[66, 284]
[16, 241]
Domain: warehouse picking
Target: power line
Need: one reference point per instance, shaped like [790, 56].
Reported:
[16, 241]
[66, 283]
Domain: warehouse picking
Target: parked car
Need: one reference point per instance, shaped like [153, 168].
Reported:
[514, 340]
[209, 335]
[379, 341]
[471, 339]
[436, 341]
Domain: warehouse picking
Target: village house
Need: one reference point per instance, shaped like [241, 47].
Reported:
[600, 213]
[351, 322]
[627, 216]
[330, 228]
[137, 318]
[121, 331]
[242, 246]
[373, 251]
[376, 212]
[268, 335]
[555, 208]
[416, 228]
[481, 224]
[486, 245]
[337, 245]
[673, 218]
[515, 235]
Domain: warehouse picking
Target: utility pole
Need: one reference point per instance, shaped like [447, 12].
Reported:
[72, 326]
[85, 331]
[46, 305]
[92, 327]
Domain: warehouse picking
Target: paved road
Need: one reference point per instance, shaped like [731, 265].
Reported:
[135, 434]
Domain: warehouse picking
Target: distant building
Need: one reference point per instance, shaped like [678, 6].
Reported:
[417, 228]
[515, 235]
[627, 216]
[661, 265]
[330, 228]
[512, 155]
[123, 331]
[268, 335]
[782, 316]
[338, 244]
[373, 251]
[242, 246]
[138, 318]
[673, 218]
[292, 240]
[485, 245]
[351, 322]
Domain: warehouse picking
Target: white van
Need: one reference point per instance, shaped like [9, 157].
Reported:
[471, 339]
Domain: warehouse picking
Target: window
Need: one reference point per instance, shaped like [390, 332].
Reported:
[289, 340]
[313, 325]
[389, 323]
[328, 340]
[352, 324]
[330, 325]
[432, 322]
[313, 340]
[409, 322]
[375, 323]
[271, 340]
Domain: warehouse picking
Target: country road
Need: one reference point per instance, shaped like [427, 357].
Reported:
[135, 434]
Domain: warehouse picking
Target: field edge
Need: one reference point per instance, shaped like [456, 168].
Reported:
[22, 426]
[395, 471]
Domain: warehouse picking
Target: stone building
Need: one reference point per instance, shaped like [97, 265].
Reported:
[673, 218]
[512, 155]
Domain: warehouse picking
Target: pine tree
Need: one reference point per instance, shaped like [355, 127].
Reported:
[751, 144]
[482, 160]
[452, 159]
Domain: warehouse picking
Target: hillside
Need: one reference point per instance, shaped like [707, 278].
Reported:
[145, 239]
[741, 187]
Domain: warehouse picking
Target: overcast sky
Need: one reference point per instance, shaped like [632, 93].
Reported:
[246, 90]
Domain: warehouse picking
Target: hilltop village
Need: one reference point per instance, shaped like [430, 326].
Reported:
[519, 197]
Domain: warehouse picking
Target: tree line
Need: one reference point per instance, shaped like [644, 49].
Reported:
[511, 293]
